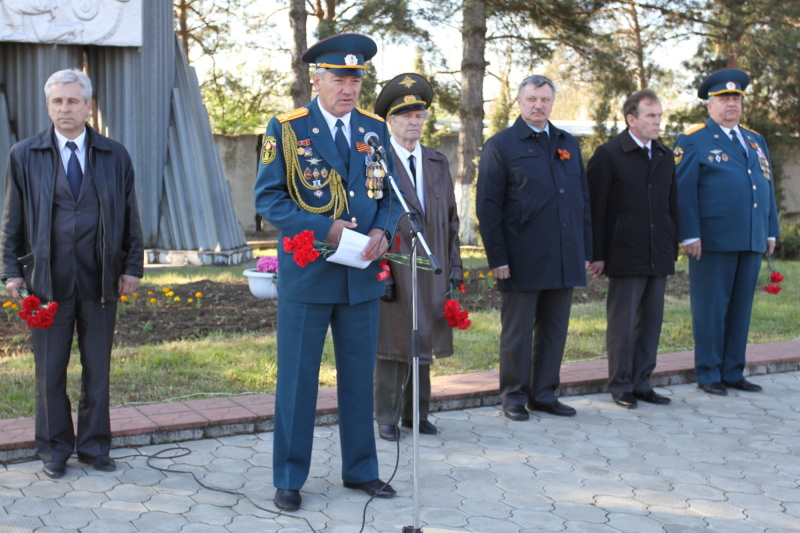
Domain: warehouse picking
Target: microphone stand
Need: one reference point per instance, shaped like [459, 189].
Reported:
[416, 236]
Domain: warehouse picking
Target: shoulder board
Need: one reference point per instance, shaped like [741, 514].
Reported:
[749, 129]
[291, 115]
[370, 115]
[694, 129]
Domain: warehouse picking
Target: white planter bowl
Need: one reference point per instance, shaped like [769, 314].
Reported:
[263, 285]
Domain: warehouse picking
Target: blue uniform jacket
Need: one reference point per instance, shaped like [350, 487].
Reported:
[322, 281]
[533, 209]
[724, 199]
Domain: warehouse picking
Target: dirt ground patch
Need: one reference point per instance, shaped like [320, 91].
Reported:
[230, 308]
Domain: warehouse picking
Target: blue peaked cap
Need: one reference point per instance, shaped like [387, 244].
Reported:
[344, 54]
[727, 80]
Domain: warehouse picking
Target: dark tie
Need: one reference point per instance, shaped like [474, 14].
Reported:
[74, 172]
[543, 139]
[341, 144]
[413, 168]
[735, 139]
[647, 152]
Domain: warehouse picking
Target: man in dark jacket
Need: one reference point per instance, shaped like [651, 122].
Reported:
[533, 208]
[423, 174]
[635, 236]
[71, 234]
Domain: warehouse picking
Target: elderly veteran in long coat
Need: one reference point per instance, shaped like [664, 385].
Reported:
[314, 175]
[423, 175]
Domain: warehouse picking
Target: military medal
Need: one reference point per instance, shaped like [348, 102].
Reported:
[374, 182]
[314, 161]
[716, 157]
[307, 173]
[725, 157]
[324, 173]
[318, 193]
[316, 174]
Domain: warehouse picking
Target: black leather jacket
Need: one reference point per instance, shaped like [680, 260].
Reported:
[25, 231]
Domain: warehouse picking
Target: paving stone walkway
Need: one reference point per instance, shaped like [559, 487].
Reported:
[724, 464]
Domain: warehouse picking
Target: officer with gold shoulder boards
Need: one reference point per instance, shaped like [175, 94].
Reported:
[314, 175]
[728, 218]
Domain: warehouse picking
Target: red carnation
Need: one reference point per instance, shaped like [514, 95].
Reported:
[776, 277]
[773, 289]
[31, 303]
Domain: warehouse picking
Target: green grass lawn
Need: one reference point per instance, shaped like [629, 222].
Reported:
[246, 363]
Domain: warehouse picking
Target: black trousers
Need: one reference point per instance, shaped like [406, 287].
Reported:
[635, 312]
[534, 333]
[55, 435]
[389, 379]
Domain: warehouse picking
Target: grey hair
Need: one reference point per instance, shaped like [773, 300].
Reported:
[321, 71]
[537, 81]
[70, 75]
[425, 114]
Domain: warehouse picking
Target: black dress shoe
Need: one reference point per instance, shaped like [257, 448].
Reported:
[287, 499]
[517, 413]
[652, 396]
[103, 463]
[376, 488]
[425, 427]
[55, 469]
[389, 432]
[554, 408]
[744, 385]
[714, 388]
[624, 399]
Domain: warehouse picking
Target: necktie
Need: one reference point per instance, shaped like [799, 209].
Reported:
[735, 139]
[647, 152]
[74, 172]
[543, 139]
[341, 144]
[413, 168]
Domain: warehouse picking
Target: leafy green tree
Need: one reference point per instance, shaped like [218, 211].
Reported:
[239, 106]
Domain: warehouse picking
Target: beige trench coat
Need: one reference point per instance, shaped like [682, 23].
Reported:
[440, 226]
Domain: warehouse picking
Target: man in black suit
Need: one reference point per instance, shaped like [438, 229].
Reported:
[533, 208]
[635, 236]
[71, 234]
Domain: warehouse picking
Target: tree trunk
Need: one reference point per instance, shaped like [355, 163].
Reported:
[183, 29]
[301, 88]
[470, 137]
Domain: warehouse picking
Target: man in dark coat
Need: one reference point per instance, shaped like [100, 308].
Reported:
[728, 219]
[314, 176]
[71, 234]
[635, 237]
[423, 175]
[533, 208]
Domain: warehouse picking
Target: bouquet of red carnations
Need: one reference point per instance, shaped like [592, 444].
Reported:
[33, 312]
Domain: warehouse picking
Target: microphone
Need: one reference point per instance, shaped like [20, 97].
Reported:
[371, 138]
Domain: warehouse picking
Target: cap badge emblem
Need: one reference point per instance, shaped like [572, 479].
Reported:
[408, 82]
[350, 59]
[730, 86]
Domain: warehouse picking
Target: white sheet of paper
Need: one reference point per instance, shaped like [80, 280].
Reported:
[348, 252]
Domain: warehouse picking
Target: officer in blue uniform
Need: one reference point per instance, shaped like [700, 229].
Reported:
[315, 174]
[728, 219]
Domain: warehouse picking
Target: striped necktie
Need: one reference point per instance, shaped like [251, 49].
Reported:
[74, 172]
